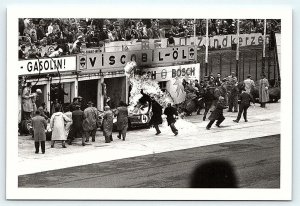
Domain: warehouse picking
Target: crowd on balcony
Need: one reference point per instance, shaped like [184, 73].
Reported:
[39, 32]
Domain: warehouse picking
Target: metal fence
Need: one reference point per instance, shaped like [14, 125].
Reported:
[250, 62]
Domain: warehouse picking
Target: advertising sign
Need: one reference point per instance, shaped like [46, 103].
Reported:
[46, 65]
[142, 57]
[188, 71]
[217, 41]
[174, 76]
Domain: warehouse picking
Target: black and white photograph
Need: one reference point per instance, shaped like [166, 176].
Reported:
[149, 106]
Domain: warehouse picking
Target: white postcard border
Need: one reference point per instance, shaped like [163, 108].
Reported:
[186, 11]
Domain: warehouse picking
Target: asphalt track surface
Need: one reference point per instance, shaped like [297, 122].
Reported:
[256, 163]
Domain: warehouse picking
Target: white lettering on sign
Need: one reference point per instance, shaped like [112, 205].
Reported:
[47, 65]
[144, 57]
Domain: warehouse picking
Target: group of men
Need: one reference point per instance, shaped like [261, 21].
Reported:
[217, 94]
[29, 99]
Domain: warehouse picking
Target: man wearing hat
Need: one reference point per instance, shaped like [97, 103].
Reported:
[90, 116]
[77, 117]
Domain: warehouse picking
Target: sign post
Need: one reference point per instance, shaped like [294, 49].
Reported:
[206, 48]
[237, 48]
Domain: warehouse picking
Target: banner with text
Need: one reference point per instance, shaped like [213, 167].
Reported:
[46, 65]
[187, 71]
[217, 41]
[174, 76]
[145, 57]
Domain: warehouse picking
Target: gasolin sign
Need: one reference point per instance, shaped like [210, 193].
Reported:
[46, 65]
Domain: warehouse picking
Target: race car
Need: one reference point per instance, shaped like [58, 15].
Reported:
[137, 118]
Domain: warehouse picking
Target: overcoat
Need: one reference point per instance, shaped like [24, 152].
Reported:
[27, 101]
[122, 117]
[156, 118]
[90, 116]
[68, 124]
[218, 112]
[57, 124]
[39, 125]
[108, 118]
[263, 90]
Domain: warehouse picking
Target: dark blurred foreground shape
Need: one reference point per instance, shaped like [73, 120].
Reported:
[214, 174]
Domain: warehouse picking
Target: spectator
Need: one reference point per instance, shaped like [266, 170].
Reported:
[26, 31]
[34, 97]
[77, 48]
[103, 34]
[57, 53]
[68, 125]
[249, 84]
[128, 35]
[60, 93]
[171, 41]
[56, 28]
[40, 33]
[39, 126]
[27, 101]
[108, 124]
[44, 41]
[122, 120]
[33, 35]
[57, 124]
[89, 125]
[263, 89]
[233, 98]
[43, 111]
[110, 35]
[77, 117]
[50, 29]
[218, 80]
[22, 53]
[79, 39]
